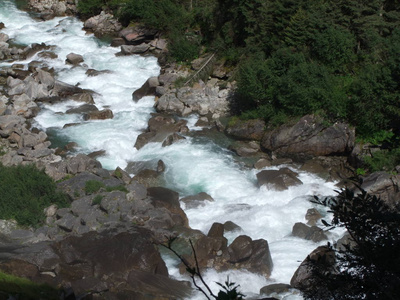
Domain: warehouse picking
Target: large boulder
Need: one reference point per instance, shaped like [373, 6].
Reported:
[242, 253]
[134, 49]
[74, 59]
[160, 128]
[383, 185]
[166, 198]
[137, 35]
[309, 137]
[103, 24]
[303, 277]
[147, 89]
[116, 263]
[99, 115]
[312, 233]
[246, 130]
[279, 180]
[202, 99]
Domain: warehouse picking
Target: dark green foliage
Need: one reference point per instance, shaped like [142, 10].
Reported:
[93, 186]
[88, 8]
[287, 85]
[385, 160]
[337, 58]
[183, 47]
[369, 267]
[25, 191]
[229, 291]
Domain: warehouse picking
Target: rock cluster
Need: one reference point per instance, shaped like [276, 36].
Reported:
[49, 9]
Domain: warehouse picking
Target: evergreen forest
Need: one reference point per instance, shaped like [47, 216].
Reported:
[337, 58]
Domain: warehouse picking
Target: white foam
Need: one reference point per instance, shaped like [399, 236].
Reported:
[191, 166]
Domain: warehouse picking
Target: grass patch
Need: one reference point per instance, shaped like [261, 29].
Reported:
[25, 191]
[93, 186]
[97, 200]
[25, 289]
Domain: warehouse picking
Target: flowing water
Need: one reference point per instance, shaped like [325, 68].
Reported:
[193, 165]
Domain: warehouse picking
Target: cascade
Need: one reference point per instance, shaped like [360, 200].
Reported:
[192, 165]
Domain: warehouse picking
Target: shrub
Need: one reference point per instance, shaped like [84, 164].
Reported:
[93, 186]
[25, 191]
[369, 266]
[385, 160]
[88, 8]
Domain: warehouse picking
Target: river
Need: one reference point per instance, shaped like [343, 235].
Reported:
[193, 165]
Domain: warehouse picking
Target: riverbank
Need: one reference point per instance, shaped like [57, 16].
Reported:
[146, 209]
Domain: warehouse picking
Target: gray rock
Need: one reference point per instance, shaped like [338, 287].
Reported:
[312, 233]
[196, 200]
[137, 191]
[74, 59]
[312, 216]
[383, 185]
[99, 115]
[131, 49]
[246, 130]
[67, 222]
[85, 108]
[172, 139]
[278, 179]
[276, 288]
[302, 278]
[309, 137]
[147, 89]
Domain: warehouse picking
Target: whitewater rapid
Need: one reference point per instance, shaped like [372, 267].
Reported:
[192, 165]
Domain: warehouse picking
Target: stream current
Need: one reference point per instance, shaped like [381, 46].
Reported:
[193, 165]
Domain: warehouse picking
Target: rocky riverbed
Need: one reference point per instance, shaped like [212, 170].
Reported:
[105, 245]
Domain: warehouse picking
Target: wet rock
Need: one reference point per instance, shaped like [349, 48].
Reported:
[231, 226]
[85, 108]
[383, 185]
[302, 278]
[131, 49]
[278, 179]
[159, 128]
[216, 230]
[196, 200]
[276, 288]
[147, 89]
[163, 197]
[74, 59]
[172, 139]
[312, 233]
[99, 115]
[331, 168]
[262, 163]
[246, 149]
[312, 216]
